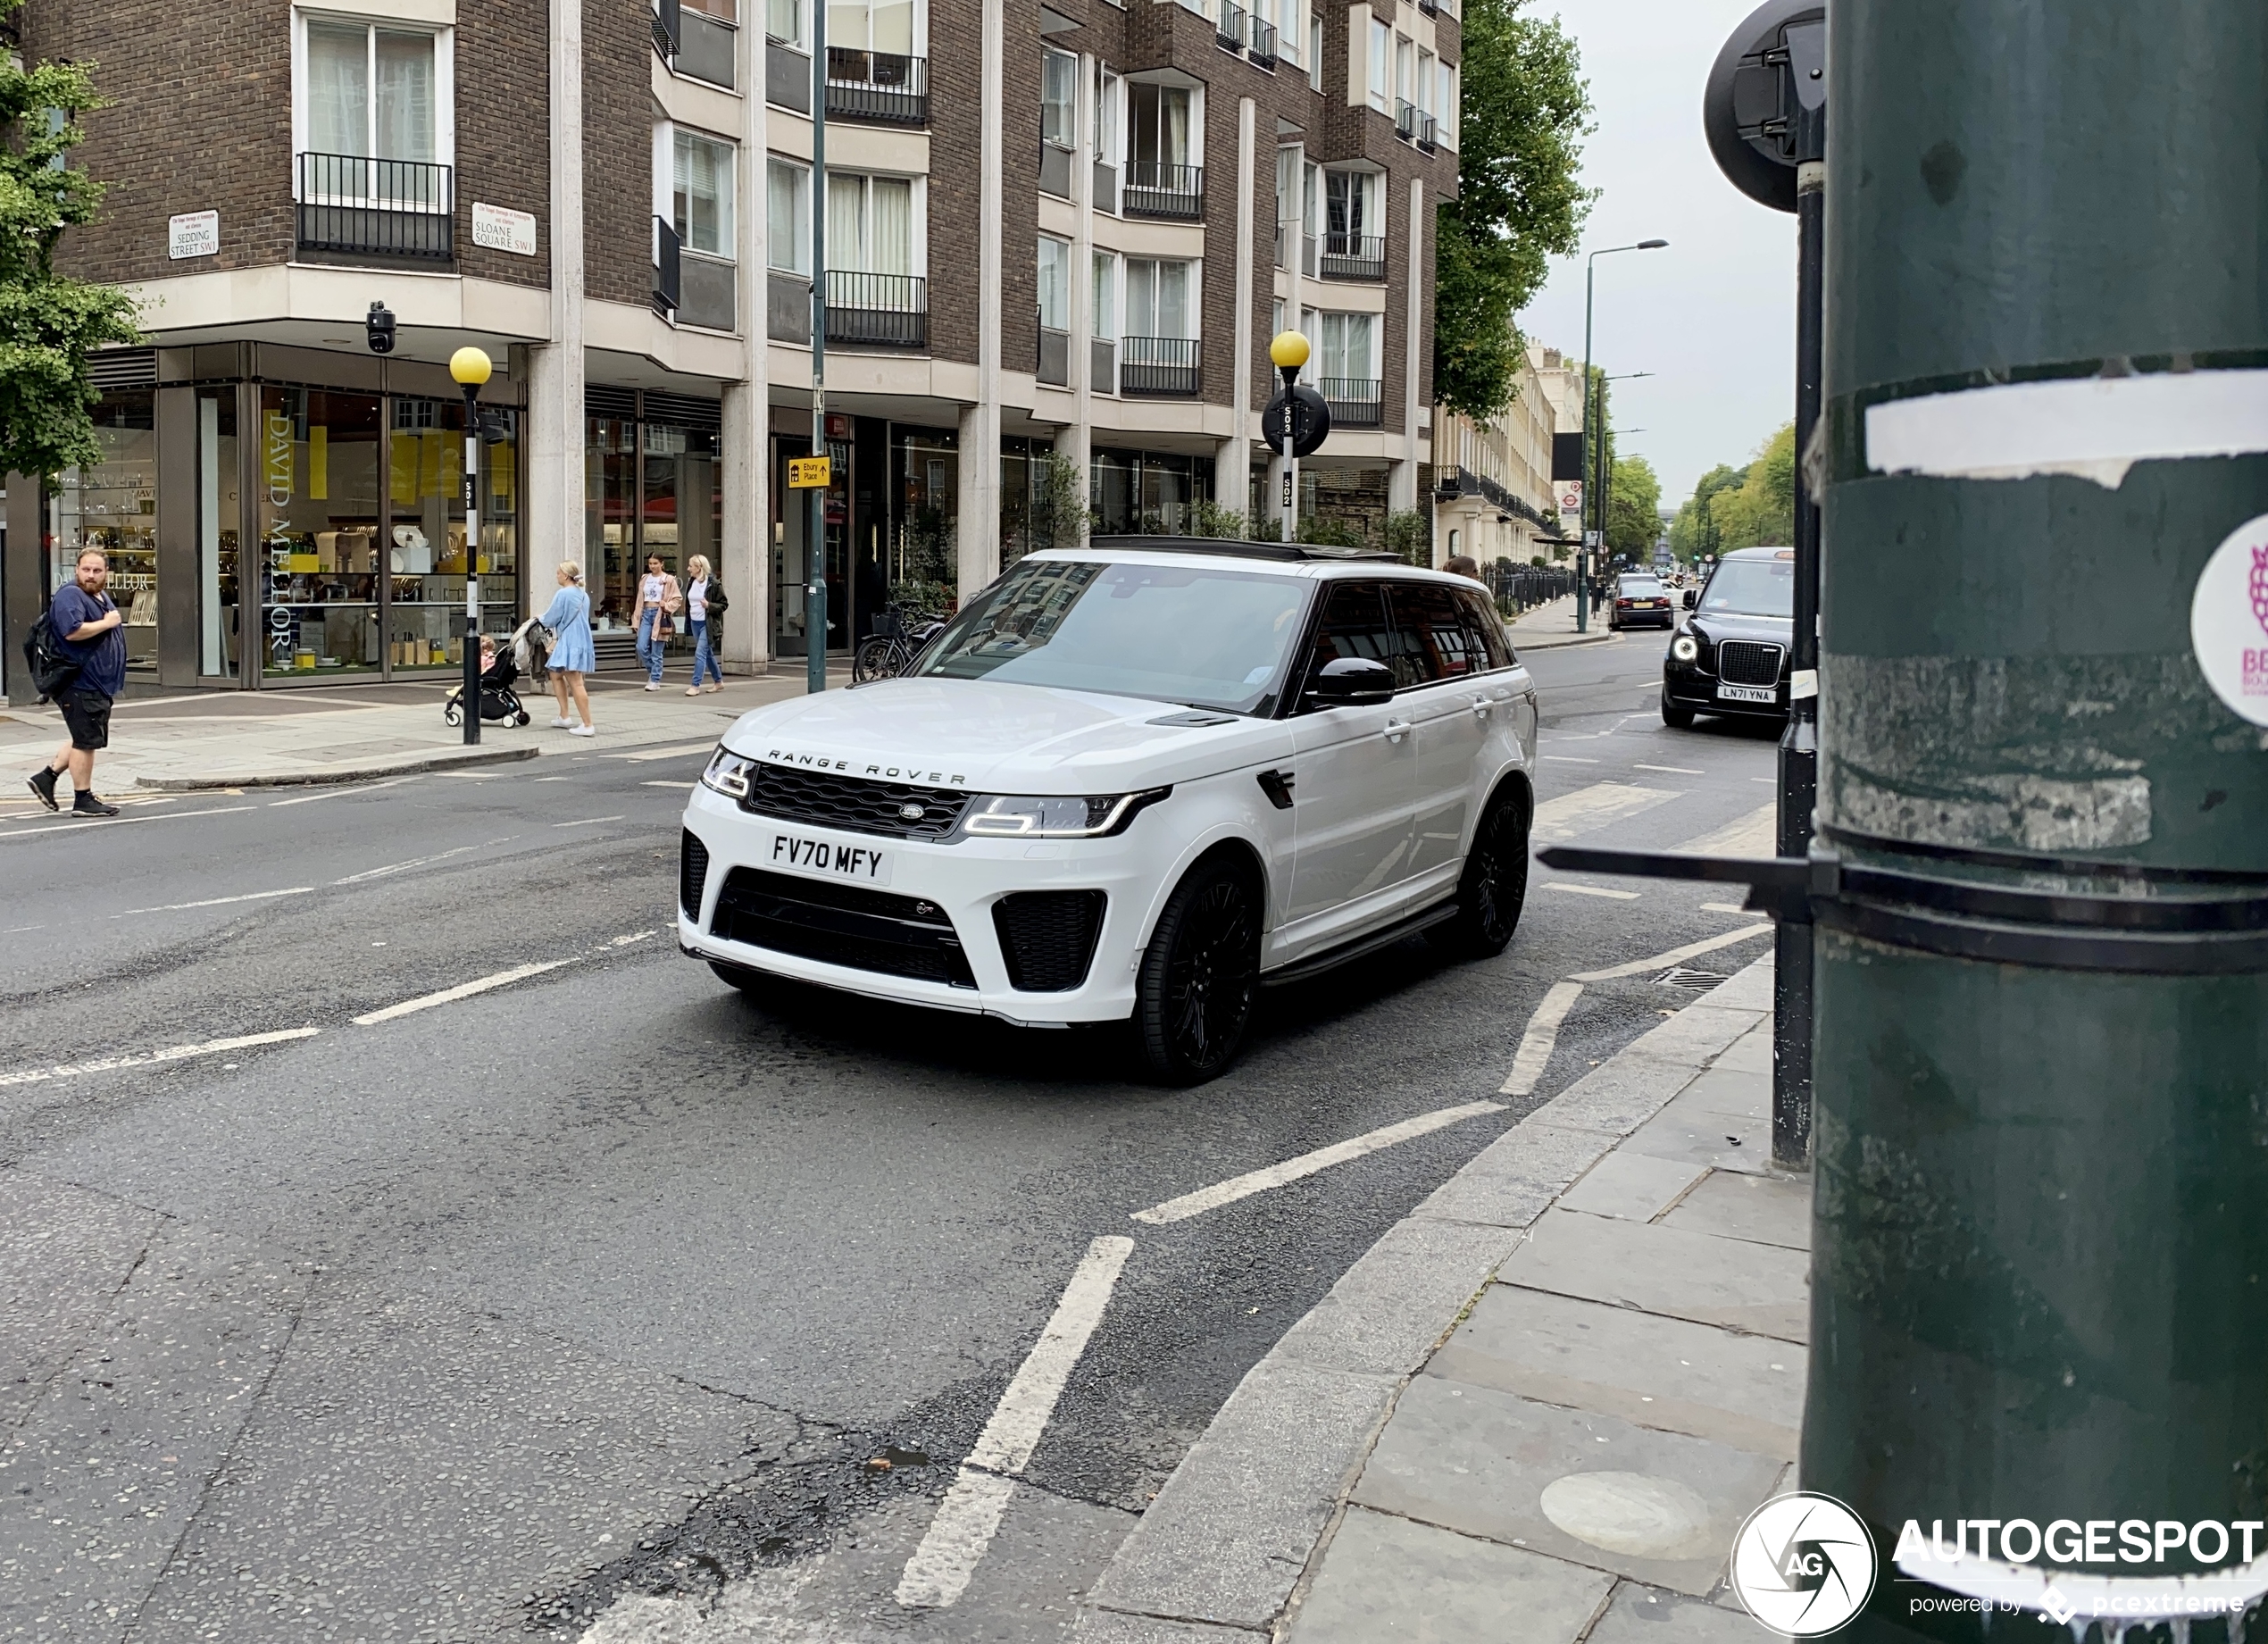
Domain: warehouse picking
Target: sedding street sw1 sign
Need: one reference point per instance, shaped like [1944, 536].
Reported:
[501, 228]
[193, 234]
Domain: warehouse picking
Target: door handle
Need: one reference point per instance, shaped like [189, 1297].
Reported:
[1481, 706]
[1397, 729]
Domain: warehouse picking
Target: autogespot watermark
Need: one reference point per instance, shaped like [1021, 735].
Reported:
[1805, 1566]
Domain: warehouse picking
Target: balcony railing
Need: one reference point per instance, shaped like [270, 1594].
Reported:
[1228, 26]
[668, 29]
[1427, 127]
[1311, 256]
[1156, 189]
[708, 292]
[396, 208]
[882, 88]
[1105, 198]
[1406, 119]
[669, 280]
[1353, 256]
[1161, 367]
[707, 47]
[878, 310]
[786, 75]
[1355, 402]
[1102, 365]
[1054, 357]
[1263, 50]
[1055, 168]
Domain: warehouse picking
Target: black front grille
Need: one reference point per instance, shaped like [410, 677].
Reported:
[841, 924]
[1749, 662]
[1048, 938]
[692, 873]
[860, 805]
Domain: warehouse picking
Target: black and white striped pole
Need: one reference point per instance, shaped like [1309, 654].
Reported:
[471, 368]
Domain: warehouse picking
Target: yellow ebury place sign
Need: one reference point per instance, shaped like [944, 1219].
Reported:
[808, 473]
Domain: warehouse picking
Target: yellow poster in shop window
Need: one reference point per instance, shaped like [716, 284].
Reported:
[808, 473]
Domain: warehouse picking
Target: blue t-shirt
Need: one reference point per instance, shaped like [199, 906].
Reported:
[102, 660]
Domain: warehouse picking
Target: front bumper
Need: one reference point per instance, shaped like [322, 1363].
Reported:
[959, 885]
[1688, 685]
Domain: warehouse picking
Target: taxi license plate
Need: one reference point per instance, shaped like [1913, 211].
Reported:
[860, 864]
[1746, 693]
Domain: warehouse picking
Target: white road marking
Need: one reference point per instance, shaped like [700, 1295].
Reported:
[939, 1571]
[172, 1053]
[1764, 779]
[586, 822]
[635, 936]
[52, 827]
[1670, 770]
[1307, 1164]
[1568, 759]
[403, 867]
[1662, 962]
[1588, 808]
[341, 793]
[1726, 907]
[1536, 1045]
[1756, 834]
[462, 991]
[253, 895]
[669, 784]
[675, 751]
[1592, 890]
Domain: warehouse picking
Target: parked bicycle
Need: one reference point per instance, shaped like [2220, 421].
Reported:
[900, 634]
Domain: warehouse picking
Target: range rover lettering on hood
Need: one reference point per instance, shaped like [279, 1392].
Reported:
[820, 762]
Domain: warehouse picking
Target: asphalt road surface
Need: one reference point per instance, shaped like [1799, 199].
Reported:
[598, 1293]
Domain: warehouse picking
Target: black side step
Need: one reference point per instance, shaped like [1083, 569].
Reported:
[1331, 958]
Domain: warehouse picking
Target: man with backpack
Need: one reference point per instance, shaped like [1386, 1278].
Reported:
[88, 672]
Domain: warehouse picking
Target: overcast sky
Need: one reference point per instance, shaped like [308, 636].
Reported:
[1712, 316]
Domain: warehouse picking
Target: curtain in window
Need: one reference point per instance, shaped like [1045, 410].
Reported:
[404, 95]
[1347, 347]
[338, 88]
[1173, 110]
[894, 27]
[1173, 300]
[890, 231]
[788, 197]
[845, 221]
[1105, 317]
[1141, 297]
[702, 194]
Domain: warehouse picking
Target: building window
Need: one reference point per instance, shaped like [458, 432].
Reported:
[870, 226]
[1055, 283]
[1287, 30]
[787, 194]
[1404, 56]
[1315, 52]
[1351, 202]
[1160, 298]
[1103, 321]
[1106, 102]
[1445, 101]
[375, 92]
[1349, 348]
[1160, 116]
[1424, 97]
[1381, 66]
[872, 25]
[784, 22]
[1059, 98]
[701, 194]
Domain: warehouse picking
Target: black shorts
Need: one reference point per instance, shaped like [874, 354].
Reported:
[88, 715]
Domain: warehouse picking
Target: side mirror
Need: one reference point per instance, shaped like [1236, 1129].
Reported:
[1692, 597]
[1351, 682]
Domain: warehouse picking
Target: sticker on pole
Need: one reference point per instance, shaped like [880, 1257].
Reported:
[1802, 1564]
[2229, 620]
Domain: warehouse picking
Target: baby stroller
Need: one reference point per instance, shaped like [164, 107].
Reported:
[499, 704]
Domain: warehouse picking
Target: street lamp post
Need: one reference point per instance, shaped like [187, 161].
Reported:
[470, 367]
[1289, 352]
[1594, 448]
[816, 550]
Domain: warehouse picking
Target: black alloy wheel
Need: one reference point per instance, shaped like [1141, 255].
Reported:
[1675, 717]
[1494, 887]
[1193, 1000]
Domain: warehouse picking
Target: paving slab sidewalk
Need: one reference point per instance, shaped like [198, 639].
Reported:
[1539, 1406]
[284, 738]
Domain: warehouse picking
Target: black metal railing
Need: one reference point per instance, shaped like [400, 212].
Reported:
[880, 311]
[668, 27]
[1262, 49]
[1055, 168]
[1156, 189]
[1355, 402]
[398, 208]
[669, 280]
[1428, 129]
[1054, 357]
[1406, 119]
[1353, 256]
[882, 88]
[1160, 367]
[1522, 588]
[1228, 26]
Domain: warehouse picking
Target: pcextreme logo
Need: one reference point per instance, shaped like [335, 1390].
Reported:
[1802, 1564]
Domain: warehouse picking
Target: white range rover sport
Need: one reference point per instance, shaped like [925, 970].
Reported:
[1139, 780]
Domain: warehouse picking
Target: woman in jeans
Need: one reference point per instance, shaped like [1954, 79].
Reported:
[658, 601]
[699, 587]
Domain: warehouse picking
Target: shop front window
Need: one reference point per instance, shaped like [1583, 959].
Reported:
[321, 518]
[218, 532]
[610, 515]
[112, 506]
[426, 536]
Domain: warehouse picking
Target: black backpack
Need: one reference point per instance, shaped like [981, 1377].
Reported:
[52, 671]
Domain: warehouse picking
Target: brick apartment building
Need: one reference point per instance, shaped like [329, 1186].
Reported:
[1068, 228]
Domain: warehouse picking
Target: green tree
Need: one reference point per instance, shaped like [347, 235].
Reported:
[1694, 533]
[48, 323]
[1634, 508]
[1521, 123]
[1762, 510]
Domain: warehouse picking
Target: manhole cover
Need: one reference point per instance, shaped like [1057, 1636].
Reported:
[1685, 977]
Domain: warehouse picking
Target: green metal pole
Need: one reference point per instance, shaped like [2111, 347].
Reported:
[2040, 1235]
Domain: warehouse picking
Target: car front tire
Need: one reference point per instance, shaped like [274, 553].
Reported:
[1494, 887]
[1675, 717]
[1193, 999]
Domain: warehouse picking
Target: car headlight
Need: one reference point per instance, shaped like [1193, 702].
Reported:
[1685, 647]
[1021, 816]
[728, 773]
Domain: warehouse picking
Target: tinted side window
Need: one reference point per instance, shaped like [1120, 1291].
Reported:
[1431, 640]
[1488, 628]
[1353, 624]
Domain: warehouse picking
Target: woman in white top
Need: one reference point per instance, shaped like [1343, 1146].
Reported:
[658, 602]
[701, 593]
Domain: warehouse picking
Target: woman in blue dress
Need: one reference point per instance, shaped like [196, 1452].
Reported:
[567, 617]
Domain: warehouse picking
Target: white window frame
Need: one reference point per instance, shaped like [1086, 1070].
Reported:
[920, 33]
[667, 187]
[1063, 248]
[1195, 300]
[1049, 55]
[445, 122]
[1446, 94]
[1290, 37]
[1380, 64]
[1109, 131]
[1405, 67]
[1374, 370]
[1103, 306]
[1196, 156]
[801, 239]
[802, 40]
[1424, 98]
[917, 230]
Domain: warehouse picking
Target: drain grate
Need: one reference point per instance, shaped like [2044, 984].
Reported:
[1685, 978]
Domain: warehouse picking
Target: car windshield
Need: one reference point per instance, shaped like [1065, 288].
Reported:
[1641, 586]
[1202, 635]
[1753, 588]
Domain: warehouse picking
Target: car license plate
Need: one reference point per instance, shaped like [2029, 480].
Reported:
[860, 864]
[1746, 693]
